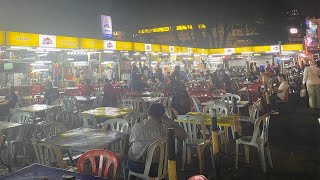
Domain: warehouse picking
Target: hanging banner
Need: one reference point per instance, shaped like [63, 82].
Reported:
[2, 38]
[91, 44]
[106, 24]
[110, 45]
[189, 50]
[22, 39]
[47, 41]
[65, 42]
[171, 49]
[140, 47]
[147, 47]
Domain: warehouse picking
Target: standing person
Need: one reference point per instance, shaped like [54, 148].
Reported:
[180, 98]
[312, 81]
[109, 95]
[51, 94]
[109, 74]
[226, 80]
[159, 74]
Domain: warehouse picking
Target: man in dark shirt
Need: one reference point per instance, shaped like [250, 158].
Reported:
[51, 94]
[8, 103]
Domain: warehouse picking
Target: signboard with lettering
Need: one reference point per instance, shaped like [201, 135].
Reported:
[22, 39]
[65, 42]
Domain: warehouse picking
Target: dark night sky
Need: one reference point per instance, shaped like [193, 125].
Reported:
[150, 13]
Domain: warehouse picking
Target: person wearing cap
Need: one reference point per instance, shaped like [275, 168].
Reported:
[145, 133]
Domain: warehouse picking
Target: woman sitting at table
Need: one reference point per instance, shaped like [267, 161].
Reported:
[8, 103]
[109, 95]
[145, 133]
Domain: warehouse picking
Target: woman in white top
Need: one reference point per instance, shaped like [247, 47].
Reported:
[312, 80]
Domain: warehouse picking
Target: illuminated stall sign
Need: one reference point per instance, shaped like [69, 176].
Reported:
[22, 39]
[65, 42]
[48, 41]
[110, 45]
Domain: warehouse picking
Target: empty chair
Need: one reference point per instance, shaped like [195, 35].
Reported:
[53, 129]
[219, 92]
[133, 118]
[135, 103]
[196, 103]
[98, 101]
[97, 169]
[88, 121]
[192, 125]
[254, 113]
[157, 95]
[156, 147]
[71, 110]
[119, 125]
[22, 134]
[220, 109]
[259, 140]
[48, 154]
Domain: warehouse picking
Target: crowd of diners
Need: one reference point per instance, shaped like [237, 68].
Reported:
[176, 85]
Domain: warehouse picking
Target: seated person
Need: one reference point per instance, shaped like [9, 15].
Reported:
[8, 103]
[145, 133]
[280, 93]
[87, 89]
[51, 94]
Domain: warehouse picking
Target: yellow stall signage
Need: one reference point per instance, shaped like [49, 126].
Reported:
[2, 38]
[139, 47]
[165, 49]
[156, 47]
[91, 44]
[292, 47]
[261, 49]
[65, 42]
[184, 49]
[243, 50]
[22, 39]
[177, 49]
[216, 51]
[124, 46]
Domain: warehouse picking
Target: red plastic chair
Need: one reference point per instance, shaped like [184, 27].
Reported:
[198, 177]
[91, 155]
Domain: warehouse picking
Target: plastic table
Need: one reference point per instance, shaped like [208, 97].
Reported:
[37, 171]
[108, 112]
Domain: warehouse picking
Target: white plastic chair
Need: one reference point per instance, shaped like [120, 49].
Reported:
[196, 103]
[258, 140]
[89, 121]
[98, 101]
[47, 154]
[53, 129]
[191, 125]
[171, 113]
[228, 98]
[163, 161]
[119, 125]
[220, 109]
[157, 95]
[133, 118]
[167, 102]
[135, 103]
[254, 113]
